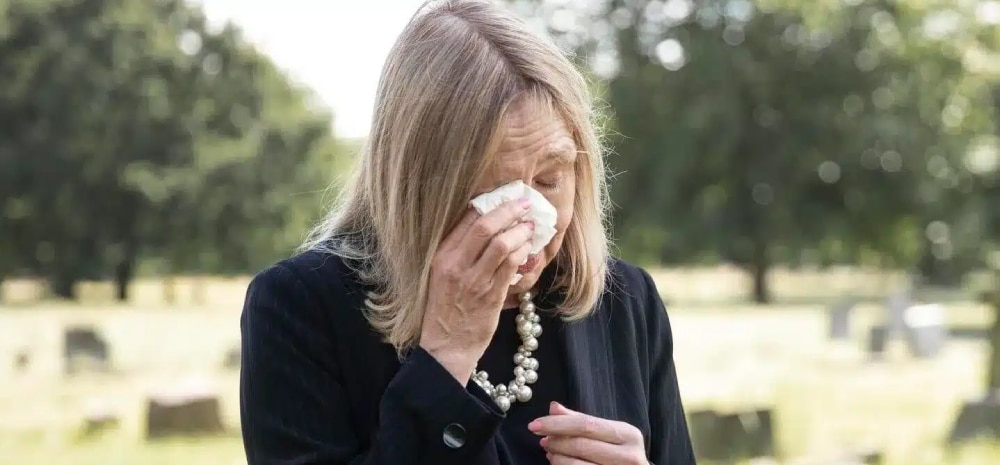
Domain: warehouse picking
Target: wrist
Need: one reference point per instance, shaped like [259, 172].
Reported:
[456, 362]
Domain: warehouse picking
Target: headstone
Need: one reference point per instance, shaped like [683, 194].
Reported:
[21, 360]
[862, 457]
[878, 338]
[232, 359]
[978, 419]
[99, 417]
[926, 331]
[84, 349]
[981, 418]
[190, 410]
[840, 319]
[732, 436]
[896, 305]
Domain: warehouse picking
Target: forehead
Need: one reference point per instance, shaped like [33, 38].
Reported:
[533, 131]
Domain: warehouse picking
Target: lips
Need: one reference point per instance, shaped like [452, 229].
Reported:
[529, 265]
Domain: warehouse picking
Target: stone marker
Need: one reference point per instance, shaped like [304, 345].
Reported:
[862, 457]
[84, 349]
[981, 418]
[183, 411]
[926, 331]
[21, 360]
[878, 338]
[232, 359]
[840, 318]
[732, 436]
[99, 417]
[896, 305]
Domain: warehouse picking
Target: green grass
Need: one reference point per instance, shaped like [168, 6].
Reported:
[827, 397]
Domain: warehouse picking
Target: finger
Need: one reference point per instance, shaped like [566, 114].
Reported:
[556, 459]
[585, 449]
[580, 425]
[482, 231]
[555, 408]
[500, 249]
[454, 237]
[508, 268]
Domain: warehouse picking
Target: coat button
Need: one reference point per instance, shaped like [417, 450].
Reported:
[454, 436]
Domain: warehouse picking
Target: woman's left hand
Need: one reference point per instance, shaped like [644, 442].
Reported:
[574, 438]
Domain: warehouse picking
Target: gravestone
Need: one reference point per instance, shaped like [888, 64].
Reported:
[926, 331]
[840, 319]
[896, 305]
[981, 418]
[878, 338]
[21, 360]
[99, 417]
[232, 359]
[732, 436]
[83, 349]
[185, 410]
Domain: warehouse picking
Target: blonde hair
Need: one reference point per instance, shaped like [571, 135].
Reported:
[446, 90]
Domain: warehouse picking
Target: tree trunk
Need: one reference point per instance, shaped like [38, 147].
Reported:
[125, 271]
[63, 284]
[761, 287]
[123, 277]
[993, 376]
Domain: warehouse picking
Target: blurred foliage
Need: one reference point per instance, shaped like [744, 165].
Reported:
[133, 131]
[800, 132]
[808, 132]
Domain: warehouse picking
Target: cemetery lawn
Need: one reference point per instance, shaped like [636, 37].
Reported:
[828, 397]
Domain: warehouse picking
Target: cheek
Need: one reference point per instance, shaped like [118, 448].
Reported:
[564, 201]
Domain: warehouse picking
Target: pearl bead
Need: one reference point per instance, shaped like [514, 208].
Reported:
[526, 328]
[529, 328]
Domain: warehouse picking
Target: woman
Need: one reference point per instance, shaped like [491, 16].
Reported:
[362, 349]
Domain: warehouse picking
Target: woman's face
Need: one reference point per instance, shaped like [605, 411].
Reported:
[539, 150]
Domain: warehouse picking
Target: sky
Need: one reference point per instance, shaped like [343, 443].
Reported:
[336, 47]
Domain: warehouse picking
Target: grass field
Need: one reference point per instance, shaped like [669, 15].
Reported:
[828, 397]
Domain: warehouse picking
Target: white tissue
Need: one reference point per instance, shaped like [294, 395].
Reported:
[542, 213]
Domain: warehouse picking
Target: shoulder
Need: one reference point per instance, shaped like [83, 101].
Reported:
[628, 282]
[312, 279]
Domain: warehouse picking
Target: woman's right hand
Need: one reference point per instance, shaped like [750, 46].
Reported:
[470, 275]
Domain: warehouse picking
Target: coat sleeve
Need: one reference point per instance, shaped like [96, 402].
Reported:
[295, 411]
[670, 442]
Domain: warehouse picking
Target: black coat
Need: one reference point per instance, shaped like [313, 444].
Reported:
[318, 387]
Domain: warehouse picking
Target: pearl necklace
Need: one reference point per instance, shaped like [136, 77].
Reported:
[525, 366]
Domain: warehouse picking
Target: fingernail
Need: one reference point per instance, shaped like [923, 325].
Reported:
[544, 442]
[534, 426]
[525, 203]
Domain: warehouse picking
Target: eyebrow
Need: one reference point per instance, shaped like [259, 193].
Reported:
[564, 154]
